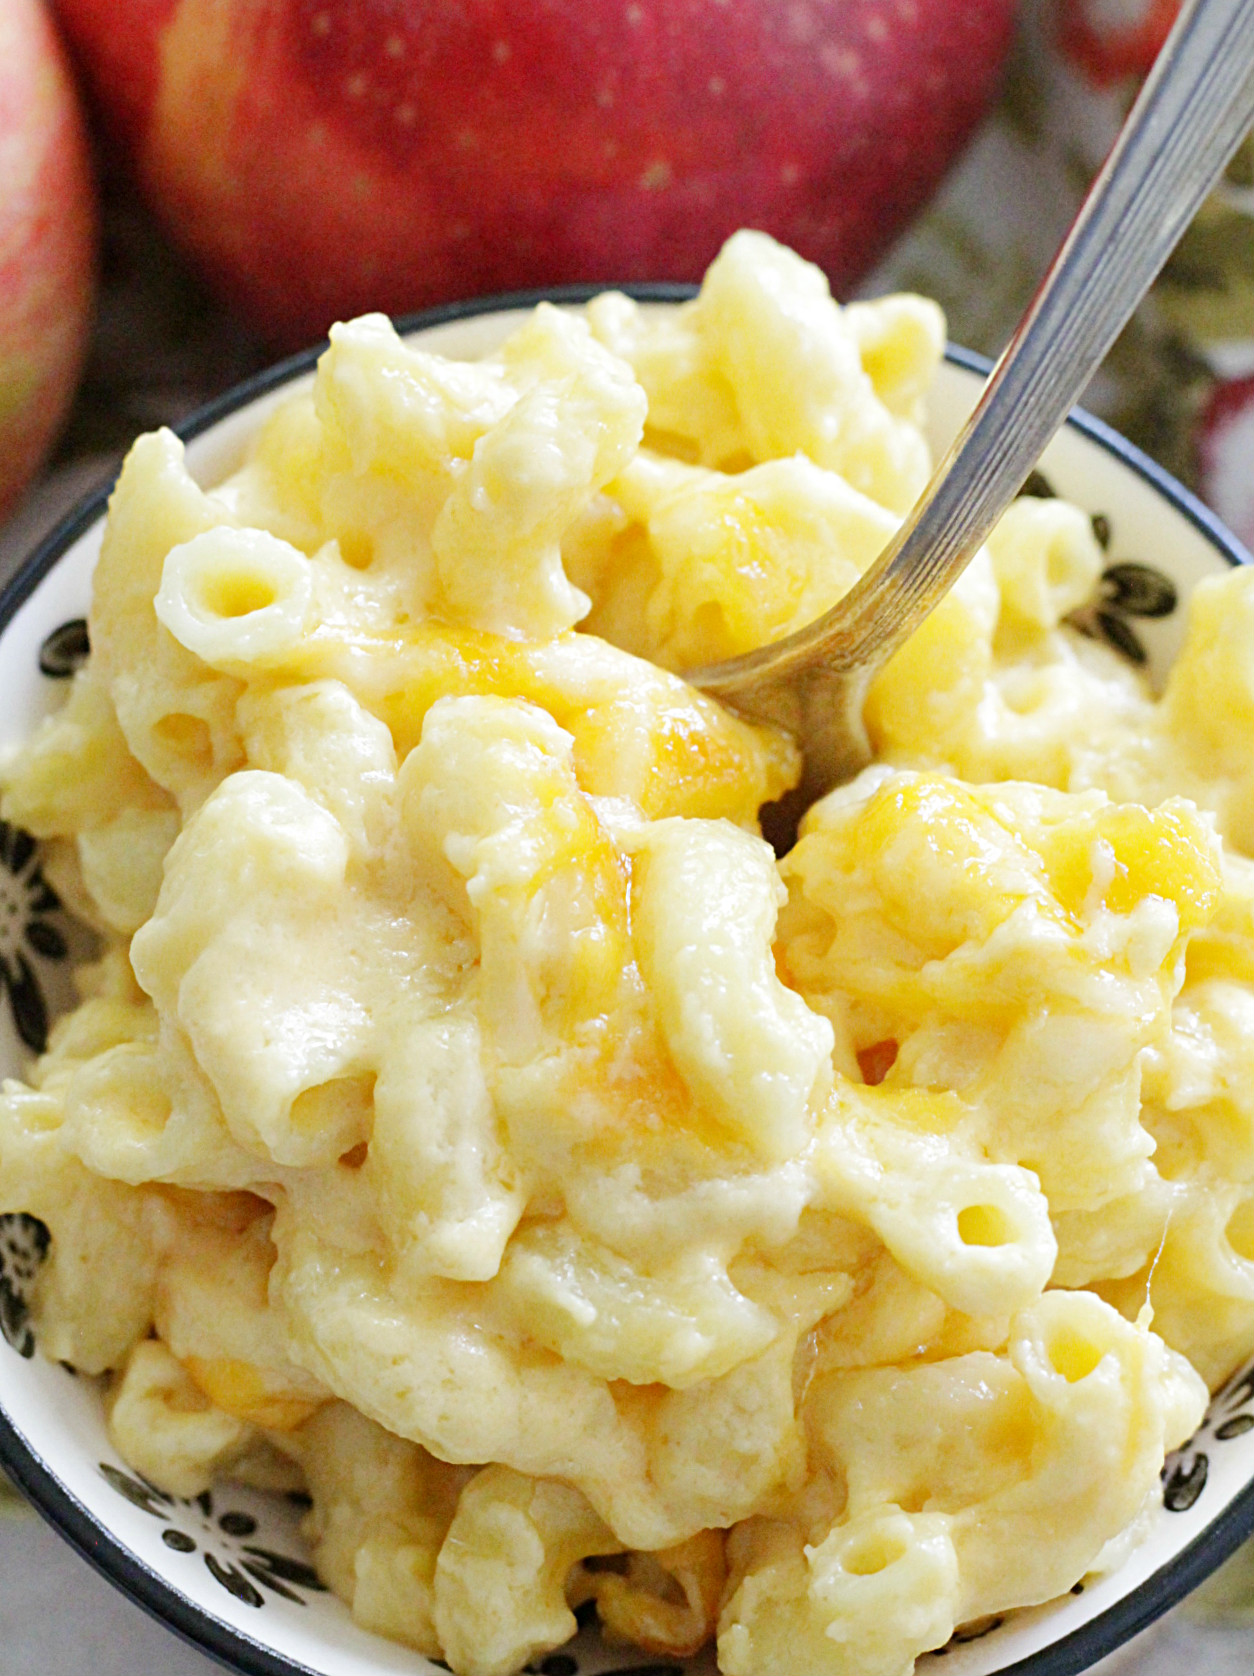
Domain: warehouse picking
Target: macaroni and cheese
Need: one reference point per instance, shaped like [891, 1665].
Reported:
[468, 1119]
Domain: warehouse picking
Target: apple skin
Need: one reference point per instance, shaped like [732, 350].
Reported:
[1108, 49]
[47, 241]
[322, 157]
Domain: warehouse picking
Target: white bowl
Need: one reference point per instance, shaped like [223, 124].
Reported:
[229, 1571]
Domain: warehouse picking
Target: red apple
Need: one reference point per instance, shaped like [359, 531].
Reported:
[1109, 44]
[321, 157]
[47, 241]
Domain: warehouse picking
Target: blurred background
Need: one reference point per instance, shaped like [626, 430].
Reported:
[189, 188]
[256, 171]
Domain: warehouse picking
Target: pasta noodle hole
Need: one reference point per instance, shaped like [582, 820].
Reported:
[1073, 1357]
[149, 1109]
[344, 1105]
[356, 549]
[874, 1554]
[984, 1225]
[235, 594]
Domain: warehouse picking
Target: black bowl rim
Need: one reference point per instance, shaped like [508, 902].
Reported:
[234, 1648]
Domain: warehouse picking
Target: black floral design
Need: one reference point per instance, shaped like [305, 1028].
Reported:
[1231, 1415]
[1184, 1479]
[1139, 590]
[26, 898]
[974, 1631]
[65, 650]
[1240, 1392]
[235, 1563]
[24, 1242]
[138, 1491]
[1239, 1424]
[1126, 590]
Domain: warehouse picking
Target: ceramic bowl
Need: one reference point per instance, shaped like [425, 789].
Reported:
[228, 1570]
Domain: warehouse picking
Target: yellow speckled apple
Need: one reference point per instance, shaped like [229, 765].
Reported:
[47, 241]
[321, 157]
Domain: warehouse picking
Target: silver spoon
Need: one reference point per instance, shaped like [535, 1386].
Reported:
[1185, 125]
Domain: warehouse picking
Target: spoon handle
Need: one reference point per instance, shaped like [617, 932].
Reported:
[1186, 123]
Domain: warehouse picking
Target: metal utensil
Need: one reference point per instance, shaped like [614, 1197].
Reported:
[1188, 120]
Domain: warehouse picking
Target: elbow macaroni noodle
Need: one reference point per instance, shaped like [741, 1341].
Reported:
[470, 1120]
